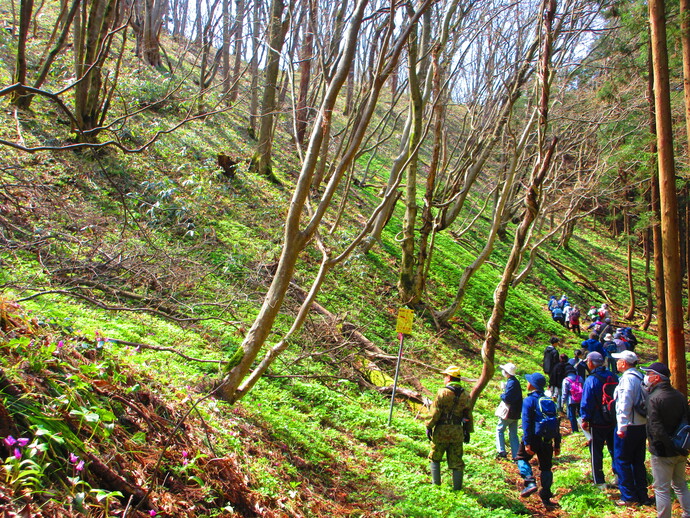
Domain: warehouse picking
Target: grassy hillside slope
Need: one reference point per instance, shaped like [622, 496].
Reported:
[127, 279]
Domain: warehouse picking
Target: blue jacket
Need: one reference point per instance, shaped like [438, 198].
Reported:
[529, 417]
[592, 345]
[590, 407]
[512, 396]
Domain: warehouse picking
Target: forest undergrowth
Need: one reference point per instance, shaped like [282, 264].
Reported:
[127, 282]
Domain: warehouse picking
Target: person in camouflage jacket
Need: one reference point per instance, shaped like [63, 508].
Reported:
[449, 426]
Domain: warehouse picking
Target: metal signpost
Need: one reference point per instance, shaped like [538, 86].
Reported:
[403, 327]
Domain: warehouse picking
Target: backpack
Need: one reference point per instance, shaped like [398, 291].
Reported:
[550, 359]
[576, 390]
[608, 404]
[574, 314]
[632, 339]
[546, 421]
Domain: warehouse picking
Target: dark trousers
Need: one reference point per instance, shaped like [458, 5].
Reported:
[544, 452]
[573, 413]
[600, 437]
[628, 454]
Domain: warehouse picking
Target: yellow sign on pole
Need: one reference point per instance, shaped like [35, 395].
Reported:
[404, 324]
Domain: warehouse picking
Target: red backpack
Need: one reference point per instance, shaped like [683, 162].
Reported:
[608, 404]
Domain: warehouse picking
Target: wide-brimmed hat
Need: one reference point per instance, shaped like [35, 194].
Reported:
[595, 357]
[453, 370]
[537, 380]
[608, 337]
[658, 368]
[509, 368]
[628, 357]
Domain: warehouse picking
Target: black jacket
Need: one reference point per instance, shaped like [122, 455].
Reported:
[665, 410]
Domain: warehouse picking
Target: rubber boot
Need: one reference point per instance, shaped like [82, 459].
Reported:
[457, 479]
[436, 473]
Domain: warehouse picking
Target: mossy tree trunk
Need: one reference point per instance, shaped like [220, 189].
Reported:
[261, 162]
[296, 234]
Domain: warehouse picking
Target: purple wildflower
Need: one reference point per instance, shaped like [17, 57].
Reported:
[152, 513]
[17, 453]
[10, 441]
[22, 441]
[79, 466]
[73, 458]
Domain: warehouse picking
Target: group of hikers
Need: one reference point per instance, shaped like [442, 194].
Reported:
[569, 315]
[622, 412]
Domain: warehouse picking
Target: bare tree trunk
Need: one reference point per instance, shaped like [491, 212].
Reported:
[239, 45]
[19, 76]
[306, 57]
[90, 49]
[254, 67]
[647, 279]
[407, 267]
[350, 92]
[668, 198]
[296, 236]
[261, 162]
[662, 349]
[147, 21]
[631, 282]
[493, 326]
[226, 46]
[687, 247]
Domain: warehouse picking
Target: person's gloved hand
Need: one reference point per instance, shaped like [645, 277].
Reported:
[466, 438]
[429, 433]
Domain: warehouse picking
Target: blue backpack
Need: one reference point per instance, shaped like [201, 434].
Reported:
[546, 418]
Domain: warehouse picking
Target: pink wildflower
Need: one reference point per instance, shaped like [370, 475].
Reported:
[60, 344]
[152, 513]
[17, 453]
[22, 441]
[73, 458]
[79, 466]
[10, 441]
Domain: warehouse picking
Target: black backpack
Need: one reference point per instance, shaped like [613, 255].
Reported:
[550, 359]
[608, 404]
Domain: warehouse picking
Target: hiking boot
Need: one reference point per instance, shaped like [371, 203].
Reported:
[436, 473]
[530, 489]
[457, 479]
[501, 455]
[549, 504]
[648, 501]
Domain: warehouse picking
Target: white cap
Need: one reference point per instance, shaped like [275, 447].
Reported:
[628, 357]
[509, 368]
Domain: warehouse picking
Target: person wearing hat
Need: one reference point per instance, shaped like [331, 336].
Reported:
[592, 314]
[593, 419]
[533, 444]
[606, 328]
[666, 408]
[631, 436]
[610, 347]
[512, 397]
[449, 425]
